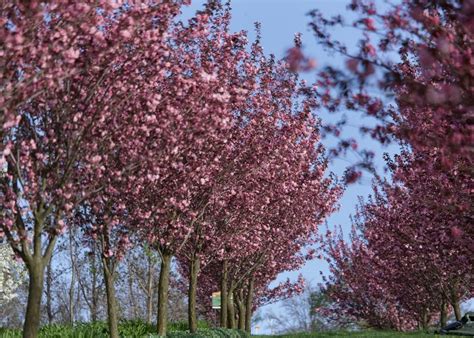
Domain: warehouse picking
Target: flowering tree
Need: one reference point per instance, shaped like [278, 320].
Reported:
[184, 139]
[11, 274]
[271, 187]
[430, 80]
[435, 231]
[44, 131]
[64, 67]
[357, 288]
[418, 227]
[409, 247]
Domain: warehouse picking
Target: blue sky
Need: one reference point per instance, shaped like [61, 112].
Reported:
[280, 20]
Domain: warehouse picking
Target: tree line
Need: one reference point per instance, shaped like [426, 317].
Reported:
[124, 127]
[409, 260]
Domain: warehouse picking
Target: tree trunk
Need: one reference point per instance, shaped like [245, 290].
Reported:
[49, 282]
[248, 306]
[94, 288]
[193, 275]
[457, 310]
[424, 320]
[112, 310]
[163, 286]
[241, 305]
[35, 291]
[131, 294]
[224, 294]
[72, 256]
[36, 264]
[242, 316]
[455, 304]
[443, 316]
[230, 310]
[149, 295]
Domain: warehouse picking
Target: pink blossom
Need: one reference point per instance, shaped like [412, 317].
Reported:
[125, 34]
[369, 23]
[456, 232]
[96, 159]
[71, 55]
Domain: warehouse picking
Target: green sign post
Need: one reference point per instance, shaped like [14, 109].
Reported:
[216, 300]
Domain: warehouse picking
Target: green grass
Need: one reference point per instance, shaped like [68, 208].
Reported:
[361, 334]
[127, 328]
[139, 329]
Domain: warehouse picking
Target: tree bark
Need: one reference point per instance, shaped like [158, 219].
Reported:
[455, 304]
[193, 275]
[248, 306]
[36, 264]
[112, 310]
[49, 282]
[35, 291]
[94, 288]
[443, 316]
[72, 256]
[457, 309]
[230, 310]
[224, 294]
[163, 288]
[424, 320]
[149, 294]
[241, 306]
[131, 294]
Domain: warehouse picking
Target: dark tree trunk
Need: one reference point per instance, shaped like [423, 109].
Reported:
[131, 295]
[49, 282]
[163, 286]
[424, 320]
[149, 295]
[35, 291]
[72, 256]
[248, 306]
[112, 310]
[193, 276]
[94, 288]
[443, 316]
[224, 295]
[455, 304]
[457, 310]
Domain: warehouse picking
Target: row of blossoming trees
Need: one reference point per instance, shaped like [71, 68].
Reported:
[410, 259]
[137, 128]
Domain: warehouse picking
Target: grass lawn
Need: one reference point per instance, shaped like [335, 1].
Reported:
[362, 334]
[135, 329]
